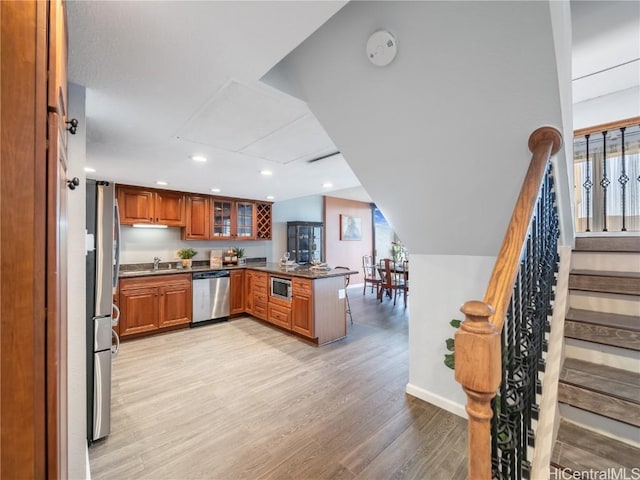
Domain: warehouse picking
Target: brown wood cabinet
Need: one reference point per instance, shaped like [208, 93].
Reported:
[263, 221]
[149, 206]
[237, 287]
[217, 218]
[198, 218]
[279, 312]
[302, 307]
[232, 219]
[149, 304]
[256, 293]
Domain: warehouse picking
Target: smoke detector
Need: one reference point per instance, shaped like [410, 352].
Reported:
[381, 48]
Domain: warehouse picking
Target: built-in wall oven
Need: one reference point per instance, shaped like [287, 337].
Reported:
[281, 288]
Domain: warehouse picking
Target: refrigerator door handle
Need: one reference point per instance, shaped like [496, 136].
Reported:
[116, 319]
[115, 348]
[116, 271]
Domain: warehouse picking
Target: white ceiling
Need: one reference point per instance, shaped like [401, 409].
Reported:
[168, 80]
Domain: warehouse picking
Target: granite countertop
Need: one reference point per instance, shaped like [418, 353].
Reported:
[304, 271]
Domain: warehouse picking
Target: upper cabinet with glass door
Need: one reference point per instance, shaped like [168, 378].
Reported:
[232, 220]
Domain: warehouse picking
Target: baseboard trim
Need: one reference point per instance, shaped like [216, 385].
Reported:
[436, 400]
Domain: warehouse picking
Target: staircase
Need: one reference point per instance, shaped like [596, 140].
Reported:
[599, 389]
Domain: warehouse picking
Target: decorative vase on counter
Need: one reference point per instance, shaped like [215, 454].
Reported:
[186, 262]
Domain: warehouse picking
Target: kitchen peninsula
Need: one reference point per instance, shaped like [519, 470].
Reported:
[308, 302]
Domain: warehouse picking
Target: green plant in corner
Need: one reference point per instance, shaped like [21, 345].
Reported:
[238, 252]
[187, 253]
[450, 358]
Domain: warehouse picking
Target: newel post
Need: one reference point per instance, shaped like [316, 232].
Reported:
[478, 370]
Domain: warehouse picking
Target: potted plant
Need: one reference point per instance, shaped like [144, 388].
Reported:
[186, 254]
[239, 252]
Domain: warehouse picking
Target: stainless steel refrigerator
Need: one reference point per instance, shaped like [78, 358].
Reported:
[103, 262]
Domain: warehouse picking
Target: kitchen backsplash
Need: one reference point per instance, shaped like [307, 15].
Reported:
[140, 245]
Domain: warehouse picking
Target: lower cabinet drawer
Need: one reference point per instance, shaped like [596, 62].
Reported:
[280, 316]
[260, 310]
[260, 298]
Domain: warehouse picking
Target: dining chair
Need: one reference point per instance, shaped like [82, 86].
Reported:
[403, 280]
[392, 279]
[370, 274]
[347, 279]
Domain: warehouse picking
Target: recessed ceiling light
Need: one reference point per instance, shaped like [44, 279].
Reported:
[327, 185]
[270, 197]
[198, 158]
[266, 172]
[161, 182]
[215, 190]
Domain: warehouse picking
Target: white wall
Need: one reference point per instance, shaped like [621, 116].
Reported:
[304, 209]
[563, 166]
[140, 245]
[438, 138]
[440, 284]
[608, 108]
[76, 304]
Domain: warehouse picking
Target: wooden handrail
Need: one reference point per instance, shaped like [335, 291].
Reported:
[543, 143]
[605, 127]
[478, 349]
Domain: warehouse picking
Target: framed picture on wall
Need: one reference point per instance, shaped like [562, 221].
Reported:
[350, 228]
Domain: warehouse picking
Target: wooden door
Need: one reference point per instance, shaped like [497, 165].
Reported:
[138, 310]
[136, 205]
[56, 326]
[302, 315]
[237, 287]
[175, 304]
[302, 307]
[197, 218]
[170, 208]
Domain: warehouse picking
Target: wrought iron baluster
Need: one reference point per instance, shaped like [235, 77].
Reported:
[605, 182]
[623, 183]
[523, 342]
[588, 184]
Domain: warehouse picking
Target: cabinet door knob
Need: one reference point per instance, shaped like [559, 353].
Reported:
[73, 183]
[72, 126]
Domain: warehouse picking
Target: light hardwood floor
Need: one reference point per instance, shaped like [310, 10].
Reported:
[241, 399]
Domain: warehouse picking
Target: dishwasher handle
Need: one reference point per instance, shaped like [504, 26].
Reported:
[209, 275]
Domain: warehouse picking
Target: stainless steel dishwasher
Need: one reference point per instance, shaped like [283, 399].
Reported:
[210, 297]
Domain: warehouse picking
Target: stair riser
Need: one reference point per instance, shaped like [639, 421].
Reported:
[605, 284]
[604, 405]
[602, 354]
[611, 428]
[613, 262]
[605, 302]
[608, 243]
[602, 335]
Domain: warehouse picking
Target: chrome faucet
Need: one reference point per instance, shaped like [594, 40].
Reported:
[156, 262]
